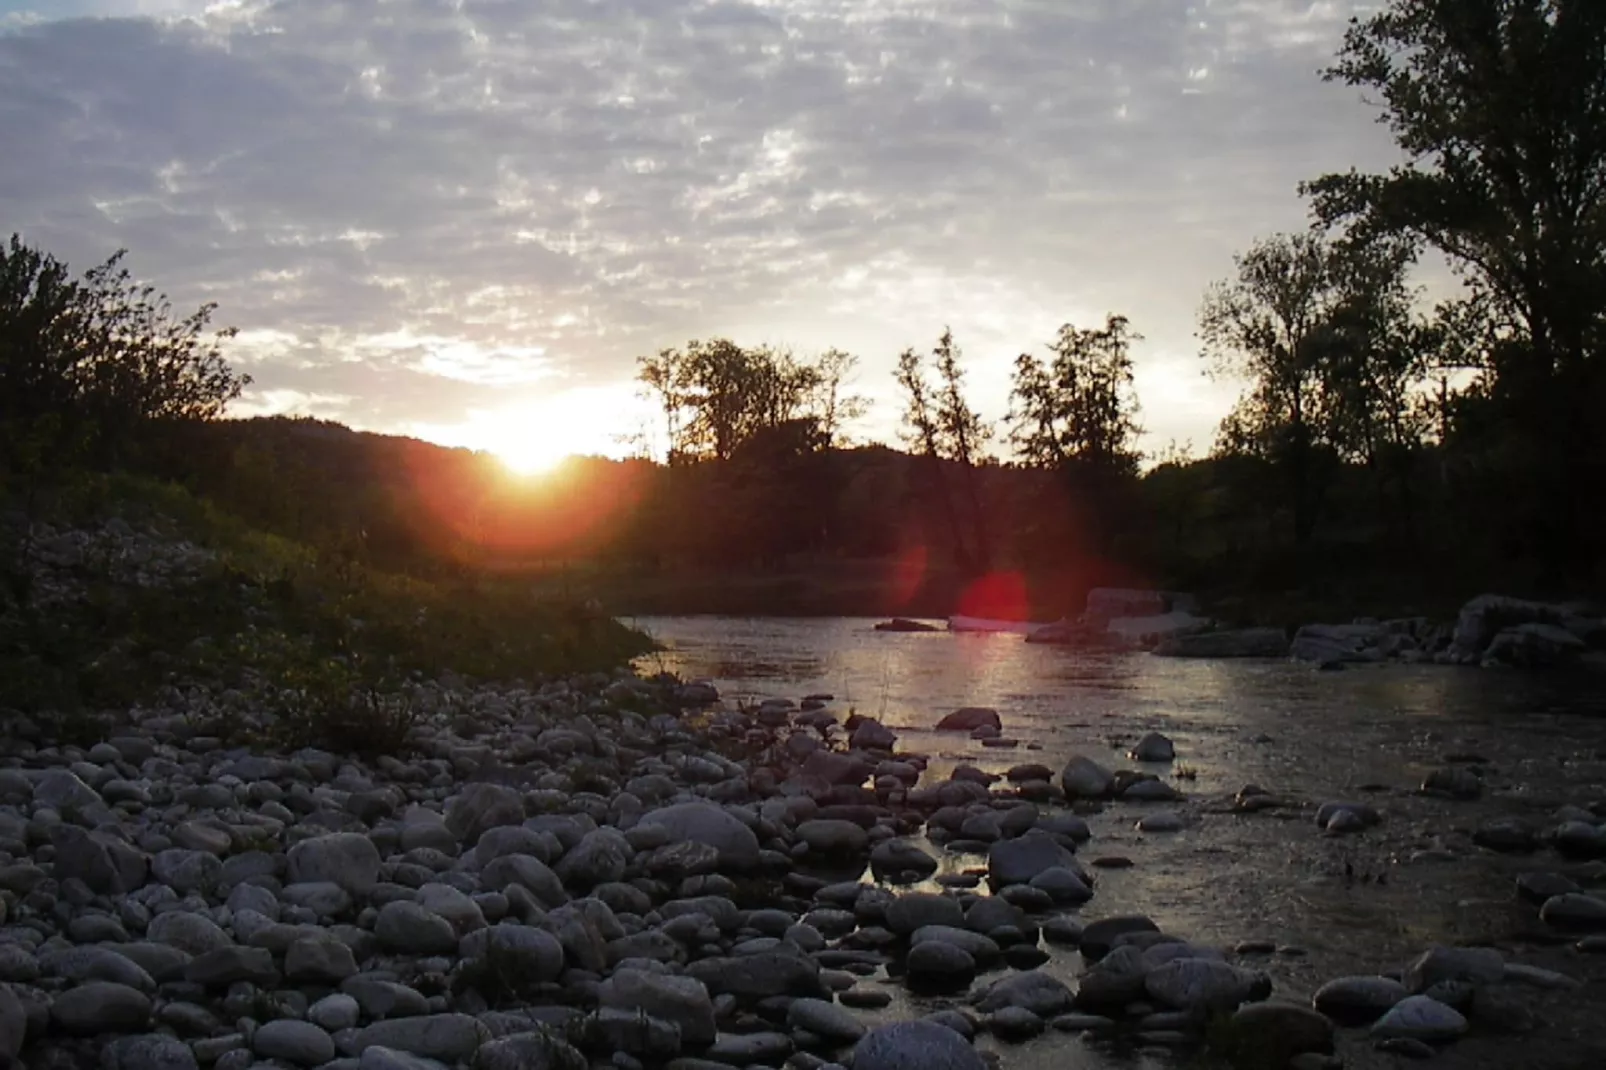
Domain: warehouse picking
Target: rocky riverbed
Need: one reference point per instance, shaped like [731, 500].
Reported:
[627, 872]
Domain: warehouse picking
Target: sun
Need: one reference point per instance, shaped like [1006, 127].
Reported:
[534, 437]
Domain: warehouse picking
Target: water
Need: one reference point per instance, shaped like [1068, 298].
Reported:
[1371, 732]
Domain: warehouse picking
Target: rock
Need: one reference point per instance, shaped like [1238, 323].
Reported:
[918, 1045]
[334, 1012]
[1358, 1000]
[1538, 977]
[13, 1026]
[225, 966]
[186, 871]
[1406, 1047]
[937, 965]
[450, 1038]
[1421, 1018]
[1579, 839]
[1203, 985]
[1453, 782]
[904, 624]
[535, 1050]
[633, 1033]
[907, 913]
[1062, 885]
[101, 1007]
[150, 1051]
[1271, 1034]
[1097, 937]
[709, 824]
[480, 807]
[600, 857]
[833, 837]
[1083, 778]
[80, 964]
[108, 865]
[1474, 965]
[1575, 912]
[1507, 835]
[1017, 861]
[759, 976]
[524, 951]
[404, 926]
[870, 734]
[1161, 821]
[301, 1043]
[1153, 748]
[348, 859]
[190, 933]
[682, 1001]
[969, 719]
[1238, 643]
[1346, 816]
[1538, 887]
[1041, 993]
[1534, 645]
[889, 858]
[320, 959]
[1015, 1024]
[825, 1019]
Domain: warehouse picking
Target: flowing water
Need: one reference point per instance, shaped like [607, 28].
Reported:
[1372, 733]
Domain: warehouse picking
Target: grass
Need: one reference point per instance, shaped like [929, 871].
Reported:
[334, 649]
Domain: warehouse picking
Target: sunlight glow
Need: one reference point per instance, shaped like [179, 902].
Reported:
[534, 436]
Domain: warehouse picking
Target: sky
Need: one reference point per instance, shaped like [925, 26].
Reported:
[465, 219]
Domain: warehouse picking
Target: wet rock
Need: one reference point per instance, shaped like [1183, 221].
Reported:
[1421, 1018]
[1358, 1000]
[1580, 839]
[1153, 748]
[1062, 885]
[970, 718]
[1149, 790]
[865, 998]
[918, 1045]
[1575, 912]
[833, 837]
[1115, 981]
[1082, 1023]
[1346, 816]
[1083, 778]
[978, 946]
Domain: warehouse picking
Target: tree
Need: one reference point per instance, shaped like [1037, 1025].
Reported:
[923, 432]
[1076, 416]
[964, 434]
[1081, 406]
[87, 365]
[1499, 107]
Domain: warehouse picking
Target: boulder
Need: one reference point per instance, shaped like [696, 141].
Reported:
[1153, 747]
[706, 823]
[1421, 1018]
[889, 858]
[1358, 1000]
[1083, 778]
[682, 1001]
[348, 859]
[1020, 860]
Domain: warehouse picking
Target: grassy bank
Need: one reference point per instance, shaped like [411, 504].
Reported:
[121, 591]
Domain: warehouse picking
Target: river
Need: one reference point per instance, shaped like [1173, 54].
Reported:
[1371, 732]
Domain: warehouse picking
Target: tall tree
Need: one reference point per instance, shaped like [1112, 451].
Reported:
[922, 429]
[1076, 416]
[1080, 407]
[964, 435]
[1499, 107]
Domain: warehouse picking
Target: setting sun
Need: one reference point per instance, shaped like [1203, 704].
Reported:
[534, 436]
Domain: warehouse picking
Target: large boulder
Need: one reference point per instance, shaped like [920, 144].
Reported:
[480, 807]
[1535, 645]
[706, 823]
[108, 865]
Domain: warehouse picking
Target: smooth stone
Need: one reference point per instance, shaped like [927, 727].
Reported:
[1421, 1018]
[918, 1045]
[1358, 1000]
[296, 1042]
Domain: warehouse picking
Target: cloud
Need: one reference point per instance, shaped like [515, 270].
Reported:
[417, 206]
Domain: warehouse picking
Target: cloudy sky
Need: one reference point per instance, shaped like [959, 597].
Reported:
[464, 219]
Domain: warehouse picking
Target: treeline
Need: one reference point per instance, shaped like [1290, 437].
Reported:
[1383, 455]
